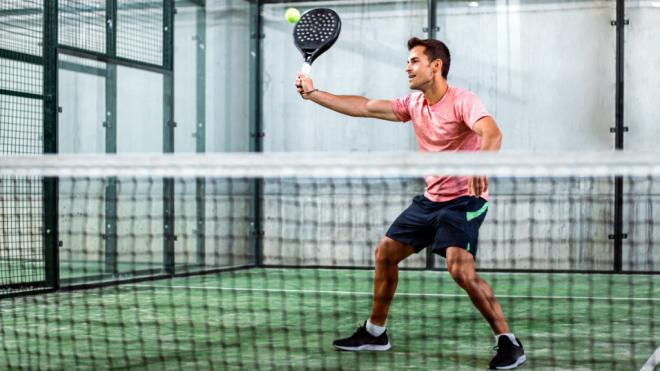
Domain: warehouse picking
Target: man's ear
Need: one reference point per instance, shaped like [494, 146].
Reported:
[437, 64]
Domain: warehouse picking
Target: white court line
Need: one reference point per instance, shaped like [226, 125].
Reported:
[397, 294]
[652, 362]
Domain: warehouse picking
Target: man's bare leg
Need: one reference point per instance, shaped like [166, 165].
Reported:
[460, 264]
[510, 353]
[372, 336]
[389, 254]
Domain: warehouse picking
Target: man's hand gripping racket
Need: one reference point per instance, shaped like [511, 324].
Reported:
[316, 32]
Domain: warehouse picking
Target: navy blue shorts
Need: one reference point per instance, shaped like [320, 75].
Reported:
[440, 224]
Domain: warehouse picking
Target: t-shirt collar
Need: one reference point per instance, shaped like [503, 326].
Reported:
[444, 97]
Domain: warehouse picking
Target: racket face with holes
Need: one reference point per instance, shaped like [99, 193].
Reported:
[316, 31]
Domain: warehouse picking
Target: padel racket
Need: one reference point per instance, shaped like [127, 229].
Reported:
[316, 31]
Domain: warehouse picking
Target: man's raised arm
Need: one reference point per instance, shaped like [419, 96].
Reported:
[351, 105]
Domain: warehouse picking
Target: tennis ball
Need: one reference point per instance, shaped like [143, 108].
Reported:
[292, 15]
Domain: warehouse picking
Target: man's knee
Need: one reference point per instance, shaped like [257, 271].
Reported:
[390, 252]
[462, 276]
[462, 271]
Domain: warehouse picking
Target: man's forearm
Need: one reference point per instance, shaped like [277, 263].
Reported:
[351, 105]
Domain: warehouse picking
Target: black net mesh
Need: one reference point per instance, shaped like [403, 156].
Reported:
[216, 301]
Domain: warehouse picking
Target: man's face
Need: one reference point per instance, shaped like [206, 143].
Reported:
[420, 71]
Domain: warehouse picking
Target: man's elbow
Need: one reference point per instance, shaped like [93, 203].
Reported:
[497, 134]
[491, 136]
[495, 138]
[363, 111]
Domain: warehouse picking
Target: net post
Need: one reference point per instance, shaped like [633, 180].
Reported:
[256, 130]
[168, 134]
[50, 112]
[110, 126]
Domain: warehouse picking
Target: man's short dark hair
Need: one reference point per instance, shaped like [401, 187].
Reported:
[434, 49]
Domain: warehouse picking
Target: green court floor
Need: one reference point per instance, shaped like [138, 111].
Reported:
[287, 318]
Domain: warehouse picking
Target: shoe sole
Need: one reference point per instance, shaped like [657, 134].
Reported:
[365, 348]
[518, 362]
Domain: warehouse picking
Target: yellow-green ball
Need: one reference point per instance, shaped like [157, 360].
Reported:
[292, 15]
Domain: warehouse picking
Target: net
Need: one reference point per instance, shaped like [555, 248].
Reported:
[277, 262]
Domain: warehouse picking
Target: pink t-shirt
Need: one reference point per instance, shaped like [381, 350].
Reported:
[444, 126]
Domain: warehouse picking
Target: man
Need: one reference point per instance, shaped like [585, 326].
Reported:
[448, 216]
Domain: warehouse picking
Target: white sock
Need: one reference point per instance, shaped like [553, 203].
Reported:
[375, 330]
[510, 336]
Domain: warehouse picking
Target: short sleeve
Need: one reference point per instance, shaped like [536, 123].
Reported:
[401, 108]
[471, 109]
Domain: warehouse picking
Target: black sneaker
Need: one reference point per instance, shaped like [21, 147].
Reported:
[362, 340]
[509, 355]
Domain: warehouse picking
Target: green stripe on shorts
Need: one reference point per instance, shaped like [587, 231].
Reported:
[475, 214]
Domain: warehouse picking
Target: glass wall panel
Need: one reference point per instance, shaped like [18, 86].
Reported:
[82, 98]
[227, 75]
[641, 116]
[139, 201]
[368, 59]
[642, 81]
[544, 69]
[212, 109]
[189, 45]
[185, 78]
[139, 111]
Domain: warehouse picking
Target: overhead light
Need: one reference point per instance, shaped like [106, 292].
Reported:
[473, 4]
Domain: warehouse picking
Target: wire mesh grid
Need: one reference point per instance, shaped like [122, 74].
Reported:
[20, 125]
[21, 242]
[21, 129]
[82, 24]
[140, 31]
[21, 235]
[21, 25]
[20, 76]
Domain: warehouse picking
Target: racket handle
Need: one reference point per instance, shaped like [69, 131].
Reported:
[306, 68]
